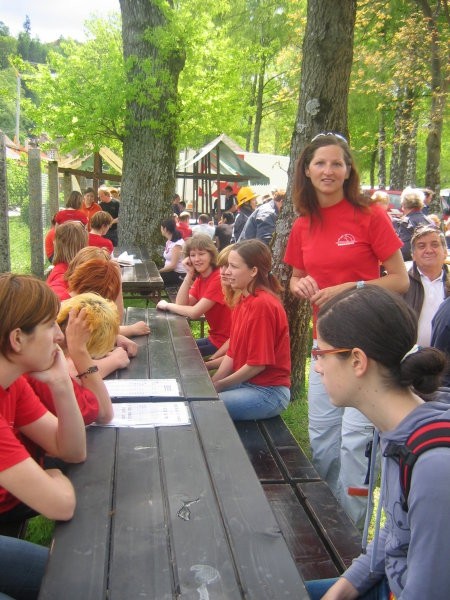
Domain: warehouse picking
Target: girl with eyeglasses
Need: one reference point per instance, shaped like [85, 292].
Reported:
[367, 360]
[336, 244]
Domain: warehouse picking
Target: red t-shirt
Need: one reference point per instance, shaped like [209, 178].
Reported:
[56, 281]
[348, 244]
[100, 242]
[49, 243]
[19, 406]
[184, 229]
[219, 316]
[94, 208]
[87, 400]
[260, 336]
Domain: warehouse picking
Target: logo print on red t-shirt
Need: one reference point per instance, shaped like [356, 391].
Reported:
[347, 239]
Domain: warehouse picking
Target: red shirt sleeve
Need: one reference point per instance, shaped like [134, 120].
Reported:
[87, 400]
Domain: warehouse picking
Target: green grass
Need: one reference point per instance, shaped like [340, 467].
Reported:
[40, 530]
[19, 241]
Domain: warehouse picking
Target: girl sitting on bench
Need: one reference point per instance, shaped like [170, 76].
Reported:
[201, 293]
[253, 378]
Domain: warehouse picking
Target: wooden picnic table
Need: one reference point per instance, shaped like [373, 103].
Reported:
[169, 352]
[141, 279]
[190, 511]
[170, 512]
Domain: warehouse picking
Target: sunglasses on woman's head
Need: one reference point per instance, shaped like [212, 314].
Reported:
[329, 133]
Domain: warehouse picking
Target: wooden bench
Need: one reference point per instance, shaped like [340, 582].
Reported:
[321, 537]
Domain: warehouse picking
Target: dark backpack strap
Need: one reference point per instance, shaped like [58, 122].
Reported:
[435, 434]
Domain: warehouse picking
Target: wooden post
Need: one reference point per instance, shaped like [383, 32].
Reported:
[67, 186]
[53, 188]
[36, 225]
[5, 258]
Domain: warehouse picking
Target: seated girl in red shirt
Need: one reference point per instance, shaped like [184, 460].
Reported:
[253, 379]
[29, 343]
[201, 293]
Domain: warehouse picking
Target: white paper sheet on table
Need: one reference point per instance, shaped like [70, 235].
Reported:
[141, 388]
[149, 414]
[126, 259]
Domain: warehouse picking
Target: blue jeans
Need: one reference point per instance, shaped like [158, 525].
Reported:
[317, 588]
[205, 346]
[22, 568]
[247, 402]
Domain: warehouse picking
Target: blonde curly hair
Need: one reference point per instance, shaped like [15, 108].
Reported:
[102, 317]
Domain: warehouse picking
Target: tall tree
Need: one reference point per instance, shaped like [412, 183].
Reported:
[439, 71]
[323, 96]
[153, 61]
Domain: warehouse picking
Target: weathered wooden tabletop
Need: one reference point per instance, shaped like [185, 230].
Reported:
[171, 512]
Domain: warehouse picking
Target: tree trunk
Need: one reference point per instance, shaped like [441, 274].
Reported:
[153, 62]
[403, 126]
[382, 152]
[5, 259]
[411, 161]
[438, 99]
[324, 84]
[259, 105]
[248, 137]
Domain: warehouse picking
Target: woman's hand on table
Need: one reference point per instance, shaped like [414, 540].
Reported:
[120, 358]
[139, 328]
[128, 345]
[162, 305]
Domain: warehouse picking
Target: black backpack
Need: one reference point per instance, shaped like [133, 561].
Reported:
[435, 434]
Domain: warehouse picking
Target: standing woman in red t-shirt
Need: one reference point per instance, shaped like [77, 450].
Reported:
[253, 378]
[336, 244]
[201, 293]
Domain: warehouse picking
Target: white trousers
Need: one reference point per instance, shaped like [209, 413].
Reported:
[338, 439]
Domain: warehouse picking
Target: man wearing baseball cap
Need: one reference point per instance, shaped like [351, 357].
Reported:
[246, 203]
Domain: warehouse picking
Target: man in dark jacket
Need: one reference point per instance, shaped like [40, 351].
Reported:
[429, 281]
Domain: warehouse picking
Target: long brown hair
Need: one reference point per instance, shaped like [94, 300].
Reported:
[70, 237]
[304, 195]
[256, 254]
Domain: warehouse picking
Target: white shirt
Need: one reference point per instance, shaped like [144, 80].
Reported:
[434, 295]
[204, 228]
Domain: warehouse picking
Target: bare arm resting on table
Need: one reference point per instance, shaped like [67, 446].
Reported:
[49, 492]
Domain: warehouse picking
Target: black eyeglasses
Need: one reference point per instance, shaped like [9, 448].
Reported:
[316, 352]
[330, 133]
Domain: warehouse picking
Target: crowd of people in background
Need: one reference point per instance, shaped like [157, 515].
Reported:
[377, 281]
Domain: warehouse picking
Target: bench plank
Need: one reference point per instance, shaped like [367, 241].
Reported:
[310, 554]
[258, 451]
[292, 458]
[336, 526]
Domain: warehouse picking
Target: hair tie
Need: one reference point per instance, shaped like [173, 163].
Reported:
[413, 350]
